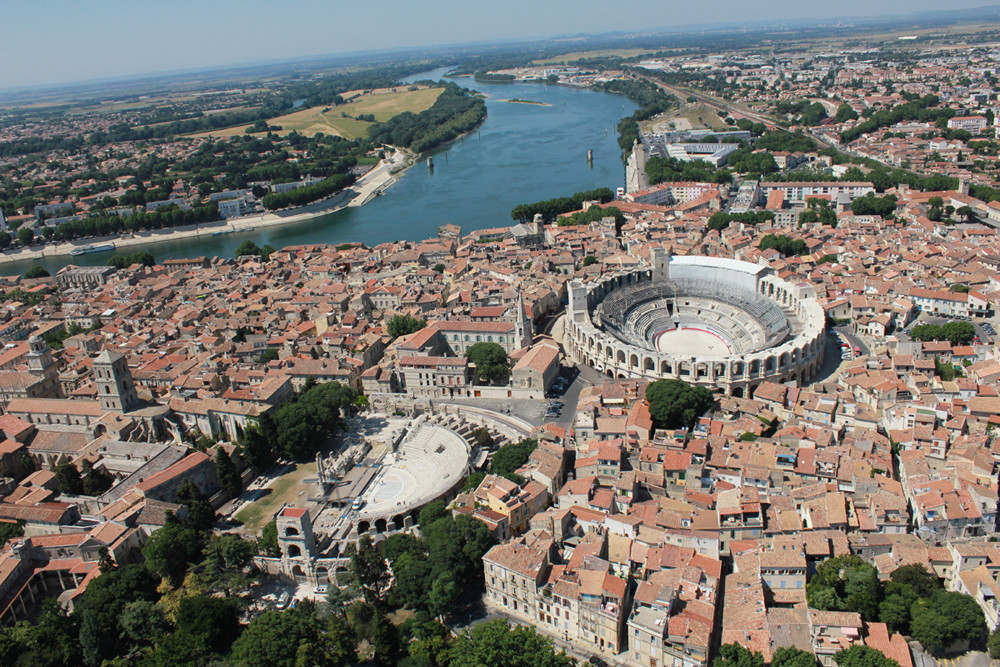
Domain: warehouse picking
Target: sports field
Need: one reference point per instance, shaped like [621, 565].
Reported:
[342, 120]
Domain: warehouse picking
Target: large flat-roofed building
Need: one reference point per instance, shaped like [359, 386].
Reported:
[801, 191]
[713, 153]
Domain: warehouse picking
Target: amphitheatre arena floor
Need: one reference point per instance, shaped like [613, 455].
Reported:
[693, 341]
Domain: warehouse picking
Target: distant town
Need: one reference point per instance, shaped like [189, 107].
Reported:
[738, 409]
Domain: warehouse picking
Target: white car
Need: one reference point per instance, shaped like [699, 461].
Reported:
[320, 590]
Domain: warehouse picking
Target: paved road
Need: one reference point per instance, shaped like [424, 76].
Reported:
[854, 340]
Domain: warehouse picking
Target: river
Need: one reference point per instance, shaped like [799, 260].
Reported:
[521, 153]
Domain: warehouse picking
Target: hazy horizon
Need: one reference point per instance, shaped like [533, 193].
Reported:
[66, 42]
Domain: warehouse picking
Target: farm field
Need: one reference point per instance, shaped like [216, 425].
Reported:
[601, 53]
[382, 104]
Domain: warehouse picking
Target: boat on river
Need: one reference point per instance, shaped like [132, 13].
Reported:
[89, 249]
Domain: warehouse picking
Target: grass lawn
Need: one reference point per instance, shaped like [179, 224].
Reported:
[285, 490]
[383, 104]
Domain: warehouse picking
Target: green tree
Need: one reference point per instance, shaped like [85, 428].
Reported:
[260, 453]
[107, 597]
[267, 356]
[845, 113]
[404, 325]
[248, 247]
[677, 404]
[497, 642]
[9, 530]
[5, 240]
[171, 549]
[200, 515]
[589, 260]
[439, 268]
[433, 511]
[269, 539]
[68, 478]
[369, 570]
[993, 644]
[25, 235]
[946, 618]
[845, 583]
[142, 622]
[509, 458]
[491, 361]
[36, 272]
[789, 656]
[274, 639]
[211, 623]
[862, 656]
[735, 655]
[225, 469]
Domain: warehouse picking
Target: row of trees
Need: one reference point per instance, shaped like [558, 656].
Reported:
[110, 224]
[672, 170]
[125, 261]
[552, 208]
[957, 333]
[309, 193]
[651, 100]
[593, 214]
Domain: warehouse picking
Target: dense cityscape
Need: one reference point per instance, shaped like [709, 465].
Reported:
[737, 408]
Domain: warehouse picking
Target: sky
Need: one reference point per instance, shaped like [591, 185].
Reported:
[46, 42]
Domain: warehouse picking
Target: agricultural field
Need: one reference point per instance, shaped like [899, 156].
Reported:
[601, 53]
[383, 104]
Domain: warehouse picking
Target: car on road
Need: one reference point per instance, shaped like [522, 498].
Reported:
[358, 504]
[320, 590]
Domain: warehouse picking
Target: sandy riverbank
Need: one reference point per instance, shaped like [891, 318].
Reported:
[384, 174]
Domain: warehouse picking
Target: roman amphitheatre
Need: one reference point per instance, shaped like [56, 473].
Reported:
[719, 322]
